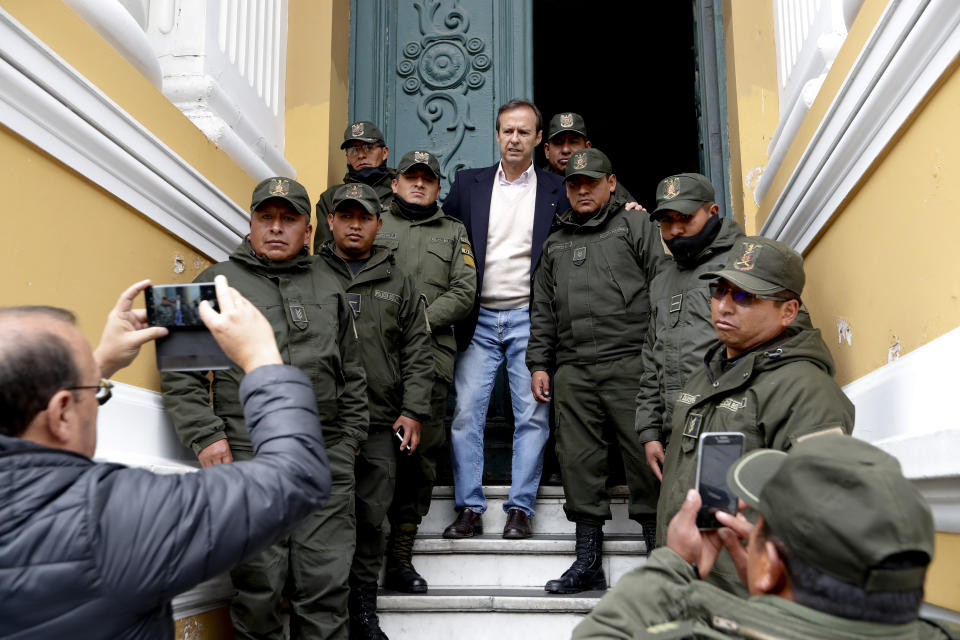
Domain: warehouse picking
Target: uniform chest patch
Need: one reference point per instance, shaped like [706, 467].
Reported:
[386, 295]
[688, 398]
[442, 240]
[560, 246]
[579, 255]
[387, 234]
[733, 405]
[298, 313]
[691, 428]
[354, 299]
[675, 302]
[619, 231]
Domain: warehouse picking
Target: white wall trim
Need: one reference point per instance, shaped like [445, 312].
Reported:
[49, 103]
[907, 53]
[905, 408]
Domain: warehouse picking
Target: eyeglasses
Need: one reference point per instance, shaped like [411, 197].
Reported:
[366, 147]
[104, 390]
[719, 290]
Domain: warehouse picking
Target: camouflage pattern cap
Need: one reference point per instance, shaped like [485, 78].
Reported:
[286, 189]
[362, 194]
[563, 122]
[684, 193]
[361, 131]
[588, 162]
[419, 158]
[761, 265]
[840, 505]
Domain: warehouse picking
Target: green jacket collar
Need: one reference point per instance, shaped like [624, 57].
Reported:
[853, 628]
[381, 258]
[572, 220]
[436, 215]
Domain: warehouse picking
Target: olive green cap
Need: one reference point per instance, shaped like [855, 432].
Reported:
[362, 131]
[413, 158]
[588, 162]
[563, 122]
[286, 189]
[684, 193]
[840, 505]
[362, 194]
[761, 265]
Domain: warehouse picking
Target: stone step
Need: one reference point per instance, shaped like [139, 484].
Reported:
[489, 561]
[481, 614]
[549, 517]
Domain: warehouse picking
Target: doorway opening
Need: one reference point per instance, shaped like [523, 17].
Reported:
[630, 72]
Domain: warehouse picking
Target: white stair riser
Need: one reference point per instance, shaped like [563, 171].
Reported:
[549, 517]
[509, 570]
[495, 625]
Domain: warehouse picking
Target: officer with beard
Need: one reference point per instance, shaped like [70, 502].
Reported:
[367, 155]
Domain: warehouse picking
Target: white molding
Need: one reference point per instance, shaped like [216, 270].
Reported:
[133, 429]
[53, 106]
[214, 593]
[928, 610]
[904, 407]
[907, 53]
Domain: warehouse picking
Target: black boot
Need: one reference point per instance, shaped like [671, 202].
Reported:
[400, 575]
[364, 623]
[586, 572]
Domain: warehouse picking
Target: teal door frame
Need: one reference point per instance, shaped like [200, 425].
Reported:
[711, 82]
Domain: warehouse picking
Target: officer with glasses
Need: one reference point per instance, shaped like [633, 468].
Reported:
[766, 376]
[367, 154]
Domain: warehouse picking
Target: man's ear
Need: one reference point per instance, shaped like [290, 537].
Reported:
[589, 144]
[60, 416]
[394, 185]
[788, 312]
[379, 223]
[714, 209]
[772, 574]
[386, 153]
[613, 182]
[330, 221]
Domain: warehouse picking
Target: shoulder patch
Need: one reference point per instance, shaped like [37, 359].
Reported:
[386, 295]
[467, 252]
[835, 430]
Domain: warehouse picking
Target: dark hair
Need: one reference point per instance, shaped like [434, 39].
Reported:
[516, 103]
[34, 365]
[817, 590]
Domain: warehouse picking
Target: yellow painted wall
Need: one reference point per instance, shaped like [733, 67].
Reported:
[943, 581]
[317, 72]
[752, 104]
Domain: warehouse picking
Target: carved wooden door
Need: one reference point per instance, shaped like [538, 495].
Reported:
[431, 73]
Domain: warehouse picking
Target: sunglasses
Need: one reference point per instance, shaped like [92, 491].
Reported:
[719, 290]
[104, 390]
[367, 148]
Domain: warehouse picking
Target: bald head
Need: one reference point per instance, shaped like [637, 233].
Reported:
[42, 355]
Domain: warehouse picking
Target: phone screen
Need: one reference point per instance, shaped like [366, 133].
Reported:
[177, 305]
[718, 452]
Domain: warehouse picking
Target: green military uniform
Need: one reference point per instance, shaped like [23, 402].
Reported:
[436, 253]
[394, 349]
[665, 600]
[588, 321]
[383, 185]
[323, 344]
[313, 325]
[774, 394]
[839, 506]
[679, 333]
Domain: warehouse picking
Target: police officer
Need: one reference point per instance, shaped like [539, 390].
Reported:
[588, 323]
[367, 155]
[433, 248]
[394, 349]
[566, 134]
[764, 378]
[839, 551]
[313, 324]
[680, 328]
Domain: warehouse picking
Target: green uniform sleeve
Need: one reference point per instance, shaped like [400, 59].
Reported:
[186, 398]
[652, 594]
[541, 349]
[324, 207]
[416, 357]
[647, 243]
[649, 411]
[456, 302]
[352, 412]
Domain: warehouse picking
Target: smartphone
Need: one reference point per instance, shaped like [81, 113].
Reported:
[716, 453]
[189, 346]
[178, 305]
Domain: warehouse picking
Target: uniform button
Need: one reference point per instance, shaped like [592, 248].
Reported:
[716, 384]
[746, 375]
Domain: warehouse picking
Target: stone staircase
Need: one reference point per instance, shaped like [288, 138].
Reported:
[488, 587]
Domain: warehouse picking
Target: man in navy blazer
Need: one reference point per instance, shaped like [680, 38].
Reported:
[508, 210]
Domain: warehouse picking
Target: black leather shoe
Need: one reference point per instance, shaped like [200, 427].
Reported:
[586, 572]
[517, 526]
[401, 574]
[467, 525]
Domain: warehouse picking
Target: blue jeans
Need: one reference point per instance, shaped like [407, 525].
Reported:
[499, 334]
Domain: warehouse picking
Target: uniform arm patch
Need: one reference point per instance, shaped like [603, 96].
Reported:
[467, 252]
